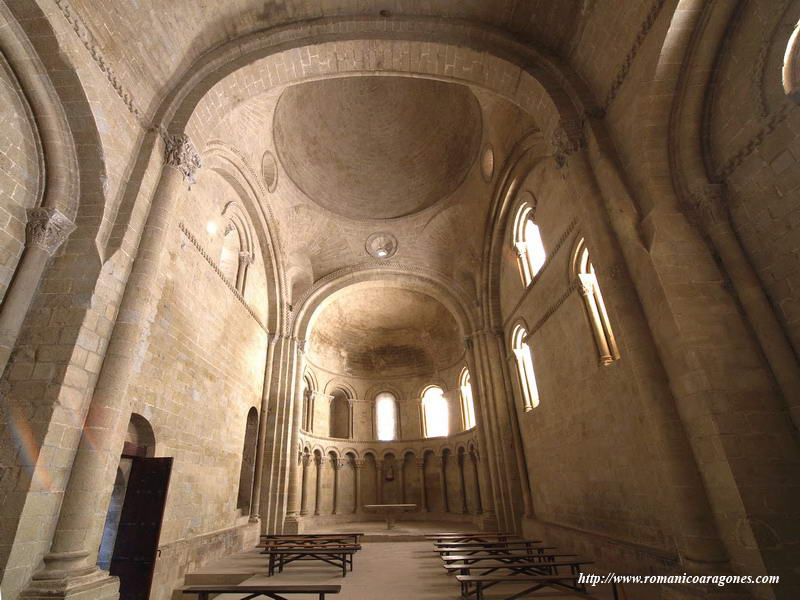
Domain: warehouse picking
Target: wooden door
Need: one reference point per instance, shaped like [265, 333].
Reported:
[136, 545]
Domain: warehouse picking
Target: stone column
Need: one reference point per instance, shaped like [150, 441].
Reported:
[245, 260]
[464, 507]
[304, 489]
[379, 481]
[335, 465]
[488, 437]
[255, 501]
[402, 473]
[475, 473]
[358, 465]
[69, 567]
[443, 483]
[292, 521]
[318, 483]
[422, 491]
[46, 230]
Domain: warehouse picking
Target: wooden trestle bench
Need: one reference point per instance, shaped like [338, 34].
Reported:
[276, 592]
[335, 549]
[338, 556]
[477, 560]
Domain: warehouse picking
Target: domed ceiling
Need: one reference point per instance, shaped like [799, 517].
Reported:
[377, 147]
[384, 332]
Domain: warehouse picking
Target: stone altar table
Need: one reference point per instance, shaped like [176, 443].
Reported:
[389, 510]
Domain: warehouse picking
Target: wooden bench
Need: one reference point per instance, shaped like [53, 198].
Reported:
[299, 541]
[276, 592]
[511, 557]
[489, 547]
[339, 556]
[473, 537]
[354, 537]
[528, 567]
[477, 584]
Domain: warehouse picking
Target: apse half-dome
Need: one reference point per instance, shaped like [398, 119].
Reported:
[384, 332]
[377, 147]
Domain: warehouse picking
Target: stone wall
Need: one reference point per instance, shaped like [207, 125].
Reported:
[202, 370]
[355, 473]
[589, 431]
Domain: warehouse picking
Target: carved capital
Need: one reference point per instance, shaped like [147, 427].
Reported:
[468, 343]
[301, 346]
[707, 205]
[306, 460]
[245, 258]
[420, 462]
[566, 139]
[47, 229]
[359, 463]
[181, 154]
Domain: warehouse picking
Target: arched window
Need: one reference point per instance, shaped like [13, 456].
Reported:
[595, 307]
[386, 416]
[434, 412]
[528, 244]
[308, 403]
[791, 66]
[467, 404]
[527, 378]
[237, 252]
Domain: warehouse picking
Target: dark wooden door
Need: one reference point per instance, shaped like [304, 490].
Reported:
[136, 545]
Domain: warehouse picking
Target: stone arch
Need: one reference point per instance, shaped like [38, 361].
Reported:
[140, 439]
[326, 290]
[336, 384]
[538, 82]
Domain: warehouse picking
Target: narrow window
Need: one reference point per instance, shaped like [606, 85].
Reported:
[386, 416]
[307, 413]
[595, 307]
[467, 404]
[791, 66]
[434, 412]
[528, 244]
[527, 379]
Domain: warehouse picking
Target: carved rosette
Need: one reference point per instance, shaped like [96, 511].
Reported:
[566, 139]
[47, 229]
[181, 154]
[707, 205]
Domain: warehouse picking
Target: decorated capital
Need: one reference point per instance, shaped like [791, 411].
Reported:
[566, 139]
[47, 229]
[181, 154]
[707, 206]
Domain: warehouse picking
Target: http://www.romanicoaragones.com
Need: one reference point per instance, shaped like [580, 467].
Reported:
[718, 580]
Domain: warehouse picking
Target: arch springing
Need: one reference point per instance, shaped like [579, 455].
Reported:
[435, 415]
[467, 402]
[531, 254]
[595, 306]
[527, 377]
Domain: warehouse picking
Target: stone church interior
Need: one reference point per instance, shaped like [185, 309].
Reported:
[524, 271]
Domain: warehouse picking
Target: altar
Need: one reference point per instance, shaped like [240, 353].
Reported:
[390, 510]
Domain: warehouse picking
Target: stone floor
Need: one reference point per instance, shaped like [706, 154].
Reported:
[401, 569]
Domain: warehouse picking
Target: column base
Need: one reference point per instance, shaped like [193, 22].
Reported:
[293, 524]
[80, 585]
